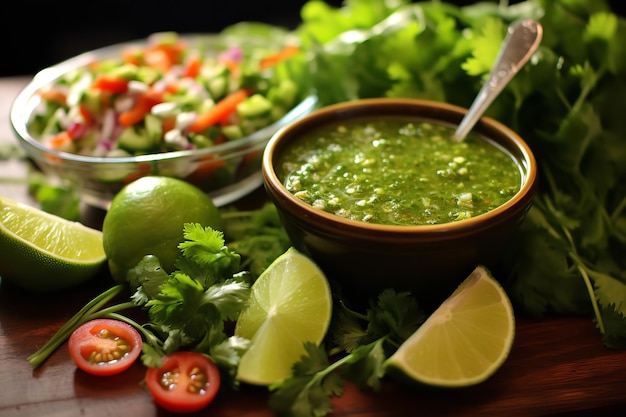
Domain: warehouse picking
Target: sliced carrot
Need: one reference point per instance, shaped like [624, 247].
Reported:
[132, 56]
[285, 53]
[54, 95]
[143, 169]
[172, 88]
[94, 66]
[232, 65]
[59, 140]
[142, 106]
[220, 112]
[168, 123]
[110, 84]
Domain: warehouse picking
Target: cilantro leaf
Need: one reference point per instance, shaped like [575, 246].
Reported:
[365, 365]
[485, 48]
[395, 316]
[307, 393]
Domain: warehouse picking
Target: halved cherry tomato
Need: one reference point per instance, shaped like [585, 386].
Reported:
[185, 382]
[105, 346]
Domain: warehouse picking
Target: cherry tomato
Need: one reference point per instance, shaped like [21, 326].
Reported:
[105, 346]
[185, 382]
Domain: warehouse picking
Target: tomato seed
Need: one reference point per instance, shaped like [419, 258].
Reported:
[105, 353]
[169, 379]
[198, 381]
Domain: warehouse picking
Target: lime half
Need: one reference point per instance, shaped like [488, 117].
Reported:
[43, 252]
[464, 341]
[290, 304]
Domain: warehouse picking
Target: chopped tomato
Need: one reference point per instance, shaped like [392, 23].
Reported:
[163, 56]
[192, 66]
[105, 346]
[87, 115]
[186, 382]
[110, 84]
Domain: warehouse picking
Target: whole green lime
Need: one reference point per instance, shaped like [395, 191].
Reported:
[147, 217]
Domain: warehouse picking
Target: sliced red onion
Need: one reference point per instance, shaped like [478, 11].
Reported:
[135, 86]
[124, 103]
[108, 125]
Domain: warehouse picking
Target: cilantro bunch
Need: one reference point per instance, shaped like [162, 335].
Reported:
[567, 103]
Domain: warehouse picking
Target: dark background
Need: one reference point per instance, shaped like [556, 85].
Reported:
[38, 34]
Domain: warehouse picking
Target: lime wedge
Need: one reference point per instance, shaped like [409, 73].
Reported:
[464, 341]
[290, 304]
[43, 252]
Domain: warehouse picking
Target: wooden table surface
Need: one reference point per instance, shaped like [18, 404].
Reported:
[557, 367]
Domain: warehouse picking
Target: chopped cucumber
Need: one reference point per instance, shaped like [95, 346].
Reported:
[232, 132]
[285, 93]
[136, 142]
[254, 106]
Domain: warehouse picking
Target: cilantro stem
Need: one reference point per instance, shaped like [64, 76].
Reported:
[592, 297]
[582, 269]
[618, 210]
[89, 311]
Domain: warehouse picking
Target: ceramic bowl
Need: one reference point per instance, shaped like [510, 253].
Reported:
[361, 258]
[227, 171]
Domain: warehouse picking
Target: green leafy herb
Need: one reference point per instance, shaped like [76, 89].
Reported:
[366, 339]
[53, 198]
[566, 101]
[10, 151]
[257, 235]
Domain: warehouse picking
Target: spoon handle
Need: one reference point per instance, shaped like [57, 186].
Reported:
[521, 41]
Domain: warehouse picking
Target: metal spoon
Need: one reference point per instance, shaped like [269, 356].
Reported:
[521, 41]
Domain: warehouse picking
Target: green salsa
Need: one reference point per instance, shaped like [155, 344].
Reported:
[398, 172]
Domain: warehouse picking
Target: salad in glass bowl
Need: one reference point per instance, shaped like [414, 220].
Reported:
[200, 107]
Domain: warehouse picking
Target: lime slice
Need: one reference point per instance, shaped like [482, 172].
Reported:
[290, 304]
[465, 340]
[43, 252]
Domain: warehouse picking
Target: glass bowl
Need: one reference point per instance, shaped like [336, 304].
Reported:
[227, 171]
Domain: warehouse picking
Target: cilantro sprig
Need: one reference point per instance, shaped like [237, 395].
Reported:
[360, 344]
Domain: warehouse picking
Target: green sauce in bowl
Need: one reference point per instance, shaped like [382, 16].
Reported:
[398, 171]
